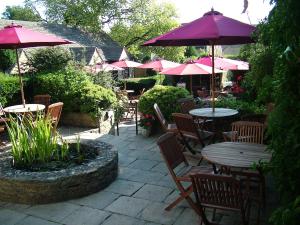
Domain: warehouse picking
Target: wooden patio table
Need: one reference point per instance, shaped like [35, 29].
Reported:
[236, 154]
[20, 109]
[216, 117]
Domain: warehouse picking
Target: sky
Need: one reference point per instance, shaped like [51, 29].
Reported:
[189, 10]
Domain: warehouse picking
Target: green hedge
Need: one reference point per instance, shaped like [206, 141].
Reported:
[74, 88]
[9, 89]
[165, 96]
[242, 106]
[137, 84]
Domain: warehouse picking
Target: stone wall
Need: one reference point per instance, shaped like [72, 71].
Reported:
[45, 187]
[105, 124]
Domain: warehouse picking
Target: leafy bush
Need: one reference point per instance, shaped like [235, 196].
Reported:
[104, 79]
[9, 88]
[33, 141]
[94, 97]
[74, 88]
[165, 96]
[138, 84]
[242, 106]
[49, 59]
[7, 59]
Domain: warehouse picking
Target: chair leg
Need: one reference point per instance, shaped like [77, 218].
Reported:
[183, 195]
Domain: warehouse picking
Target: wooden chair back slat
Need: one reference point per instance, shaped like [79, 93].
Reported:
[171, 150]
[217, 190]
[248, 131]
[186, 105]
[160, 117]
[54, 113]
[42, 99]
[185, 124]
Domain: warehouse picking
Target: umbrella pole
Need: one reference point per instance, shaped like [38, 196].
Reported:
[191, 84]
[213, 77]
[20, 79]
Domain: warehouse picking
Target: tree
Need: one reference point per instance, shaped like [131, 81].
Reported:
[7, 59]
[155, 19]
[90, 15]
[20, 13]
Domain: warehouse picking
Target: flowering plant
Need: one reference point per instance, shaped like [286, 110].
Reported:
[147, 121]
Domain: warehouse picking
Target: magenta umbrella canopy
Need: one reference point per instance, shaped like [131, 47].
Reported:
[126, 64]
[212, 28]
[224, 64]
[190, 68]
[159, 64]
[16, 36]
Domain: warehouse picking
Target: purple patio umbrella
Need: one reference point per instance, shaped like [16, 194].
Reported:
[211, 29]
[15, 36]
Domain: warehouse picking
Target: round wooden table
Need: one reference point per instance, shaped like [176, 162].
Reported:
[236, 154]
[218, 113]
[217, 118]
[21, 109]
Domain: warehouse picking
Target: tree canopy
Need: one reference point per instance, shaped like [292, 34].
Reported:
[155, 19]
[90, 15]
[20, 13]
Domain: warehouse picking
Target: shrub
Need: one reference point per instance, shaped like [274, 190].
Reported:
[138, 84]
[165, 96]
[104, 79]
[94, 97]
[9, 88]
[74, 88]
[242, 106]
[7, 59]
[49, 59]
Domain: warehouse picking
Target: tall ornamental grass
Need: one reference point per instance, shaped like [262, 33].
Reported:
[34, 142]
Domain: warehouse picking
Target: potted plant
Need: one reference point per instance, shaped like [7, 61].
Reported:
[146, 123]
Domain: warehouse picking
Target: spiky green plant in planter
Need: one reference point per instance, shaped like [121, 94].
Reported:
[34, 142]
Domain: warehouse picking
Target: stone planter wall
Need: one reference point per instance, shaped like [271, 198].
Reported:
[105, 124]
[19, 186]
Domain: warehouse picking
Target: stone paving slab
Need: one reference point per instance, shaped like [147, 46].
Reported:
[53, 212]
[98, 200]
[124, 187]
[143, 164]
[128, 206]
[85, 216]
[117, 219]
[155, 213]
[30, 220]
[10, 217]
[160, 168]
[153, 193]
[188, 216]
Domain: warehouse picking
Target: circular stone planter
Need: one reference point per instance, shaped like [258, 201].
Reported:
[20, 186]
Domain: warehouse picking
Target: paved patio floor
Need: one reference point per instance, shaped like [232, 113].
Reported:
[138, 196]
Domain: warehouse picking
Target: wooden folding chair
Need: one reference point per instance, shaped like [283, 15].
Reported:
[253, 181]
[3, 121]
[54, 113]
[189, 130]
[167, 127]
[172, 153]
[220, 192]
[245, 131]
[42, 99]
